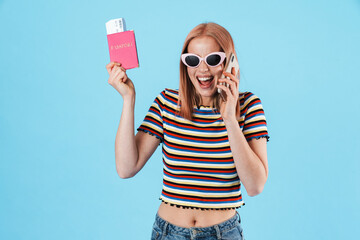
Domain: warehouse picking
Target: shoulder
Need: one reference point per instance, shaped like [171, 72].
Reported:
[247, 98]
[171, 95]
[168, 96]
[249, 102]
[247, 95]
[171, 92]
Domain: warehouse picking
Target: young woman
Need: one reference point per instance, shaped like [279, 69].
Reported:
[210, 145]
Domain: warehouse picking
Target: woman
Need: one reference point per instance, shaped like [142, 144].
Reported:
[209, 143]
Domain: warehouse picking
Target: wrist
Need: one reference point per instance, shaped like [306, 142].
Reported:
[129, 100]
[230, 121]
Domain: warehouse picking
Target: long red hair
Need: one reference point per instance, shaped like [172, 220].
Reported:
[188, 97]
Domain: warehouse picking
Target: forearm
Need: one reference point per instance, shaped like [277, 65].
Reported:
[251, 170]
[126, 152]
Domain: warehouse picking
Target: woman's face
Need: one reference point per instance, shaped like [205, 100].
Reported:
[203, 77]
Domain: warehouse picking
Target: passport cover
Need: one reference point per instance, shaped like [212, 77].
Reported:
[122, 49]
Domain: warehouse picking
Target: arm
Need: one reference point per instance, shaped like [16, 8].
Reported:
[131, 152]
[250, 158]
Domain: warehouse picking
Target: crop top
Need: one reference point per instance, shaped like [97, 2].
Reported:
[199, 170]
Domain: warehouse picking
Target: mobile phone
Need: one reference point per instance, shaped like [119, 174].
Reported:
[232, 63]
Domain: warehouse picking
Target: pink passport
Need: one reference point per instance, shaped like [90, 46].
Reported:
[122, 49]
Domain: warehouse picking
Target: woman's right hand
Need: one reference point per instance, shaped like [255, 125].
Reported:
[119, 80]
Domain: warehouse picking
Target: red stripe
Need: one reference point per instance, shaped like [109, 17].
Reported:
[150, 130]
[194, 127]
[196, 139]
[153, 121]
[199, 160]
[197, 149]
[206, 120]
[247, 95]
[173, 111]
[154, 109]
[252, 102]
[171, 90]
[255, 135]
[203, 200]
[203, 188]
[170, 99]
[255, 124]
[170, 109]
[254, 113]
[201, 170]
[196, 177]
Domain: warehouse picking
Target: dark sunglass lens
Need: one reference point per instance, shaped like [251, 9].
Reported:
[213, 59]
[192, 61]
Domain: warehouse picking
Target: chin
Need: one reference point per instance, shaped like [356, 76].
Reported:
[210, 92]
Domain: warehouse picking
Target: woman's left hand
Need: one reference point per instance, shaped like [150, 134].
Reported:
[229, 108]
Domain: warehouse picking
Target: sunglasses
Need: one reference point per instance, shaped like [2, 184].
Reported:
[212, 60]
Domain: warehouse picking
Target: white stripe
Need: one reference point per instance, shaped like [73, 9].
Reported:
[202, 182]
[206, 174]
[179, 162]
[152, 126]
[199, 154]
[202, 194]
[192, 143]
[203, 205]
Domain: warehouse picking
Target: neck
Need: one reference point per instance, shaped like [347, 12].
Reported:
[208, 102]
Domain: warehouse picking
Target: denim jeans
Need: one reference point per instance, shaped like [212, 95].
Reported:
[229, 230]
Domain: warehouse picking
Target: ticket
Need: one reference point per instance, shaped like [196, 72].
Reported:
[115, 26]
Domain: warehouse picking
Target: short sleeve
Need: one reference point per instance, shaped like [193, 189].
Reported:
[153, 122]
[255, 125]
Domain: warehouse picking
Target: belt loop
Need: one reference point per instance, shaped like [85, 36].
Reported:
[218, 233]
[165, 228]
[238, 216]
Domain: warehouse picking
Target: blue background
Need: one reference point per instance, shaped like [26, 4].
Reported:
[59, 116]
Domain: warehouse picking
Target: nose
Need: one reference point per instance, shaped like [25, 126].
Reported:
[203, 67]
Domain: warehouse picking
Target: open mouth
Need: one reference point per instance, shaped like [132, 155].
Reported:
[205, 82]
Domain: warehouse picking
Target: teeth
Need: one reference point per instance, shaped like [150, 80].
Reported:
[204, 79]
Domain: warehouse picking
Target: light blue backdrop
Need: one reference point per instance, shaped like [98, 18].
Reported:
[59, 116]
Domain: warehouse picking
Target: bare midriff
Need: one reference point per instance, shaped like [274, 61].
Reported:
[187, 218]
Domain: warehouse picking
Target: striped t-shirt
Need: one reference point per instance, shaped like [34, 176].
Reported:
[199, 170]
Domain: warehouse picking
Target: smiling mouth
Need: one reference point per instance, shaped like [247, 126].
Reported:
[205, 82]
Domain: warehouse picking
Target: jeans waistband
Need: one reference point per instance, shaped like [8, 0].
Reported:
[216, 229]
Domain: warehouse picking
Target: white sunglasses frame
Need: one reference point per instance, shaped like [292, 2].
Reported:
[221, 54]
